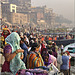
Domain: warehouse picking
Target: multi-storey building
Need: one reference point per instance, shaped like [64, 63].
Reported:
[4, 0]
[0, 12]
[17, 18]
[10, 14]
[23, 5]
[44, 16]
[39, 11]
[49, 17]
[6, 8]
[34, 17]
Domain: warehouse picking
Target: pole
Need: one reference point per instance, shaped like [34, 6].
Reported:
[74, 20]
[30, 21]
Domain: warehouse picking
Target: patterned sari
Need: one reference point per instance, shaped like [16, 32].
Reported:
[34, 59]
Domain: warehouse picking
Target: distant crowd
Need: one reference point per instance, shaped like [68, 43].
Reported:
[32, 51]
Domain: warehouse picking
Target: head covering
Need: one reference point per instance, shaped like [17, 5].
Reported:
[35, 45]
[5, 30]
[16, 63]
[50, 42]
[53, 44]
[67, 52]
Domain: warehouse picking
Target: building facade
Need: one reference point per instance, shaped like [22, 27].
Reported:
[10, 14]
[23, 5]
[4, 0]
[7, 8]
[17, 18]
[39, 11]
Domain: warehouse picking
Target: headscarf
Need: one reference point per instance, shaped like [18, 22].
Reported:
[5, 30]
[16, 63]
[67, 52]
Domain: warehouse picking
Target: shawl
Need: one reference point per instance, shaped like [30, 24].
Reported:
[34, 60]
[16, 63]
[50, 60]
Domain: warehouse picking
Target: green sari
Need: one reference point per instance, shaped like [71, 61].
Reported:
[16, 63]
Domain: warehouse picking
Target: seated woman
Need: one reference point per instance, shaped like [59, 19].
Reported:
[34, 58]
[48, 59]
[13, 54]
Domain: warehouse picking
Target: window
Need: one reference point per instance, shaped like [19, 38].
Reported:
[16, 15]
[13, 10]
[13, 6]
[20, 21]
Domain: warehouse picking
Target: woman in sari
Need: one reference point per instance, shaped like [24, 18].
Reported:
[48, 59]
[5, 33]
[54, 49]
[13, 54]
[34, 58]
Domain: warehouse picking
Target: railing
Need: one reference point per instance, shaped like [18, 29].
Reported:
[64, 42]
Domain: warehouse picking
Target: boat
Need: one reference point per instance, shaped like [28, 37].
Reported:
[71, 49]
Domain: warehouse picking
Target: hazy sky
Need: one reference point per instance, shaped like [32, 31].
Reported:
[61, 7]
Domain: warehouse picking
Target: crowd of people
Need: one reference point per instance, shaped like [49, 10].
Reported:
[24, 52]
